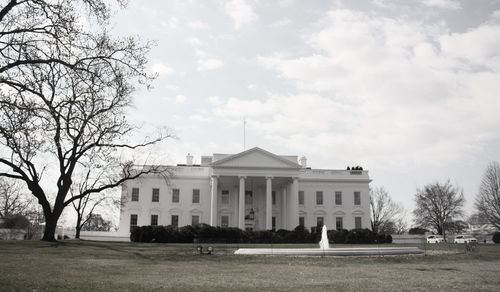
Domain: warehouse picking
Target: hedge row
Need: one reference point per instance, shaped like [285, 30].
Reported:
[496, 237]
[208, 234]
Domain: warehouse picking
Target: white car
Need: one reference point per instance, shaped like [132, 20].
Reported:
[435, 239]
[465, 239]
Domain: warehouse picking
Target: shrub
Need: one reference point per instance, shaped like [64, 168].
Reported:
[496, 237]
[16, 222]
[208, 234]
[417, 230]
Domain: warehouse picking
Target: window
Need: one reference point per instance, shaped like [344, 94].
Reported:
[156, 195]
[133, 221]
[195, 220]
[273, 197]
[273, 223]
[357, 198]
[248, 198]
[154, 220]
[301, 221]
[135, 194]
[175, 195]
[175, 220]
[338, 198]
[357, 222]
[301, 197]
[225, 197]
[224, 221]
[320, 221]
[319, 198]
[339, 223]
[196, 196]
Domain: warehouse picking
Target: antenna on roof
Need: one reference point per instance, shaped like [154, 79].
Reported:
[244, 134]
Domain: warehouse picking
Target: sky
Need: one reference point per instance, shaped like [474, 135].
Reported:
[407, 89]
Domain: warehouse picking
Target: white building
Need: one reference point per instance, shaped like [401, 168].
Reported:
[254, 189]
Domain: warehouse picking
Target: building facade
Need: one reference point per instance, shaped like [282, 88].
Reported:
[254, 189]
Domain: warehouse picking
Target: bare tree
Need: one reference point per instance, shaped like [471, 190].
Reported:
[437, 204]
[384, 211]
[85, 205]
[64, 93]
[12, 198]
[488, 199]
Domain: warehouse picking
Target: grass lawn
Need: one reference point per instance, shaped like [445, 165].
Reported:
[111, 266]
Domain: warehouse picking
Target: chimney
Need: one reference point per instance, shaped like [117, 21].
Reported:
[303, 162]
[189, 159]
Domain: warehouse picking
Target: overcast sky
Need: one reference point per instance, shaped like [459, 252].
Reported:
[407, 89]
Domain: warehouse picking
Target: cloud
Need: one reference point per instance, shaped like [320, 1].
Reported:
[180, 99]
[209, 64]
[215, 100]
[161, 69]
[282, 22]
[197, 25]
[391, 92]
[241, 12]
[445, 4]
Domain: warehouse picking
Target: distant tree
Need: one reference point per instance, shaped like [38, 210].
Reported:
[12, 198]
[97, 223]
[488, 199]
[84, 206]
[456, 227]
[437, 204]
[66, 87]
[384, 211]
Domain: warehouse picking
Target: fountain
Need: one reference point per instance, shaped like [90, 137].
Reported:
[324, 244]
[324, 249]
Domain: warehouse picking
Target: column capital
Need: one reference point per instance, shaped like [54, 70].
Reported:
[269, 177]
[214, 176]
[242, 176]
[295, 178]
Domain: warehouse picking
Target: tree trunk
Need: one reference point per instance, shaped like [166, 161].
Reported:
[78, 226]
[50, 227]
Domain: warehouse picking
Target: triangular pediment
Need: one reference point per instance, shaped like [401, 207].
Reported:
[256, 157]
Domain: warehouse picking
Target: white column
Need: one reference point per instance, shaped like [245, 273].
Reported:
[241, 204]
[284, 208]
[213, 201]
[293, 218]
[269, 203]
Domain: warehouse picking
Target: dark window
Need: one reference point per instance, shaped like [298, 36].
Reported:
[196, 196]
[320, 221]
[225, 197]
[224, 221]
[339, 224]
[175, 195]
[175, 220]
[273, 223]
[156, 195]
[135, 194]
[248, 198]
[273, 197]
[195, 220]
[338, 198]
[133, 221]
[357, 222]
[357, 198]
[154, 220]
[301, 197]
[301, 221]
[319, 198]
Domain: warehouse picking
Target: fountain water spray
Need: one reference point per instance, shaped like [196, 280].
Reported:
[323, 244]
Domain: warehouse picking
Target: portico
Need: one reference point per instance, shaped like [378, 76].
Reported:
[258, 201]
